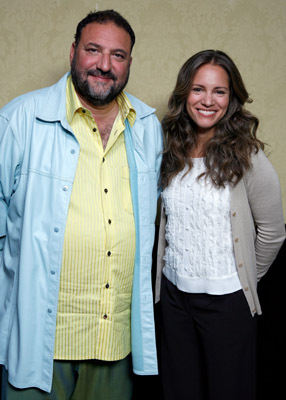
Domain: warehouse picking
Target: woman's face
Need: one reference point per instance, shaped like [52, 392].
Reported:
[208, 99]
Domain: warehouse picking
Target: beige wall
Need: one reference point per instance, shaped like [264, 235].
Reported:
[35, 37]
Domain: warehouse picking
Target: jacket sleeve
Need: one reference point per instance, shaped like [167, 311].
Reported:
[264, 196]
[9, 172]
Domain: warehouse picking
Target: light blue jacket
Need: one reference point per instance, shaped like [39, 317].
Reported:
[38, 160]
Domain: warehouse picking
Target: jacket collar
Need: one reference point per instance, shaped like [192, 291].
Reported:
[54, 109]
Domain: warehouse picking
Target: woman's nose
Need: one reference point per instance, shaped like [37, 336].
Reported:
[208, 99]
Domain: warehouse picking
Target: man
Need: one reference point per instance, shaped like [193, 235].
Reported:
[79, 164]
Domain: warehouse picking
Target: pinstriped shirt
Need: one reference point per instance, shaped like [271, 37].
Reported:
[93, 316]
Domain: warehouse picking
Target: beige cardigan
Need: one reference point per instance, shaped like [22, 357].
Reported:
[258, 228]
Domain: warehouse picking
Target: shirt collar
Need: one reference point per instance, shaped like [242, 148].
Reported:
[126, 109]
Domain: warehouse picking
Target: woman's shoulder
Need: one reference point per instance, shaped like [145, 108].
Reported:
[261, 169]
[260, 161]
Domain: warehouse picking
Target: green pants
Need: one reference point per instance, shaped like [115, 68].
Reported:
[80, 380]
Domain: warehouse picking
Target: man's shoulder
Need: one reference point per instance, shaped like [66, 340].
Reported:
[24, 99]
[33, 100]
[142, 109]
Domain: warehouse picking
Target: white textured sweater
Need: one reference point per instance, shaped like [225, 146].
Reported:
[199, 257]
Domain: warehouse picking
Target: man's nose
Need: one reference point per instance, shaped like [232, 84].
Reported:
[104, 63]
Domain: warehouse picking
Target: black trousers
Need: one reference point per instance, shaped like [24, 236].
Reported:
[208, 346]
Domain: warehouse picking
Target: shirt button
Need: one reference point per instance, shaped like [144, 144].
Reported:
[105, 316]
[49, 311]
[246, 289]
[109, 253]
[234, 214]
[53, 272]
[94, 129]
[103, 159]
[236, 240]
[240, 265]
[56, 229]
[109, 221]
[107, 286]
[65, 188]
[72, 151]
[106, 190]
[83, 111]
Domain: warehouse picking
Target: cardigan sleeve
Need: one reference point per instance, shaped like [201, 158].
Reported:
[264, 196]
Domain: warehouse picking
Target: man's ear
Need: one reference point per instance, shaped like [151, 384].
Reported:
[72, 52]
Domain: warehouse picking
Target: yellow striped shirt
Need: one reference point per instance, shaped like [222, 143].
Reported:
[93, 318]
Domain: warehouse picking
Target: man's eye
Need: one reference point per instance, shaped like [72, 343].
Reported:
[119, 56]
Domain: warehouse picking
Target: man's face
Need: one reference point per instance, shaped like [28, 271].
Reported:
[101, 62]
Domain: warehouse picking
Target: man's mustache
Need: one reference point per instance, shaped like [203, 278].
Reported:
[99, 73]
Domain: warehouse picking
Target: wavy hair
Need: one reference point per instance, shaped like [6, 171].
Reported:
[228, 153]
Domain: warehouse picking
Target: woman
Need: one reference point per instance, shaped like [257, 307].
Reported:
[224, 226]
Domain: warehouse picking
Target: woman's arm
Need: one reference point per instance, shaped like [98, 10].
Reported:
[264, 196]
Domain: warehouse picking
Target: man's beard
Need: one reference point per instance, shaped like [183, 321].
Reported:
[91, 94]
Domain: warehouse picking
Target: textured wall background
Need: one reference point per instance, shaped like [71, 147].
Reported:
[35, 38]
